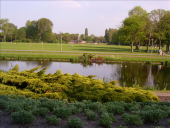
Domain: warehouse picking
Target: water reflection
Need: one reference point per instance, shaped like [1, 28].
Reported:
[129, 75]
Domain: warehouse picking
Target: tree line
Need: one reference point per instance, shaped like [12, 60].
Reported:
[40, 31]
[143, 28]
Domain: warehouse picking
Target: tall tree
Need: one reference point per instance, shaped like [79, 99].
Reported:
[165, 25]
[11, 31]
[21, 33]
[86, 33]
[131, 27]
[138, 11]
[4, 27]
[44, 26]
[155, 16]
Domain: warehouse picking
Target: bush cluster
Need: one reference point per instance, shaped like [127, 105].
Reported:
[65, 86]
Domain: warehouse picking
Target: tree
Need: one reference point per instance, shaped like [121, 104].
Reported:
[155, 16]
[86, 33]
[137, 10]
[131, 27]
[44, 26]
[95, 39]
[106, 36]
[4, 27]
[82, 37]
[66, 37]
[165, 25]
[21, 33]
[11, 31]
[88, 39]
[102, 39]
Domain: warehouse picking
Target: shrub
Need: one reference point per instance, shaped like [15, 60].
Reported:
[41, 111]
[0, 112]
[132, 119]
[116, 109]
[75, 110]
[75, 123]
[48, 104]
[169, 122]
[22, 117]
[90, 114]
[105, 120]
[62, 112]
[13, 107]
[53, 119]
[93, 106]
[153, 116]
[121, 126]
[3, 103]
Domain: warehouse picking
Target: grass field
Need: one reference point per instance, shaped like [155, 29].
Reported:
[53, 51]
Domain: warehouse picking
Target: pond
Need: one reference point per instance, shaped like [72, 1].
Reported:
[127, 74]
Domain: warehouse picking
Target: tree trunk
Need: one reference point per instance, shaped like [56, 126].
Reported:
[159, 43]
[132, 47]
[4, 38]
[167, 48]
[147, 50]
[137, 48]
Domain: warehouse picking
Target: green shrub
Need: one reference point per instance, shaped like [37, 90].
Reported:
[116, 109]
[13, 107]
[75, 110]
[3, 103]
[53, 119]
[90, 114]
[0, 112]
[62, 112]
[169, 122]
[48, 104]
[93, 106]
[132, 119]
[22, 117]
[105, 120]
[152, 116]
[121, 126]
[41, 111]
[75, 123]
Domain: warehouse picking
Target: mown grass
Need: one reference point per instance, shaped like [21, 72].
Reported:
[52, 51]
[75, 47]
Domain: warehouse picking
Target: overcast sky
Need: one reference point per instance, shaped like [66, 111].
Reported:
[75, 16]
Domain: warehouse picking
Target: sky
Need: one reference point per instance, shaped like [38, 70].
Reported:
[74, 16]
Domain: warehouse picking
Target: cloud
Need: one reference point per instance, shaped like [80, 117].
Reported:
[65, 4]
[70, 4]
[101, 17]
[87, 4]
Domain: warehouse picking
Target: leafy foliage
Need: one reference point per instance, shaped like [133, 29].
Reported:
[75, 123]
[53, 119]
[65, 86]
[22, 117]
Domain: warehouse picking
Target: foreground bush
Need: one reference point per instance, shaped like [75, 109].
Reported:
[65, 86]
[75, 123]
[22, 117]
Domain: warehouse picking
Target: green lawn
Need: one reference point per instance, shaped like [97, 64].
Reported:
[53, 51]
[75, 47]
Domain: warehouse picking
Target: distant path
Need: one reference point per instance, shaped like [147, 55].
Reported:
[163, 96]
[111, 54]
[76, 52]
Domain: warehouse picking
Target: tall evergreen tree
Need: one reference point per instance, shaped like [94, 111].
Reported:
[86, 33]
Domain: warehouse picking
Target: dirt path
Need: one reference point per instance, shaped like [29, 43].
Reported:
[163, 96]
